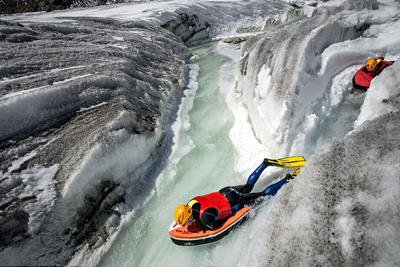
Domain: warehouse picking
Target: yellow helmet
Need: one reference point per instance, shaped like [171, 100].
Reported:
[182, 214]
[371, 64]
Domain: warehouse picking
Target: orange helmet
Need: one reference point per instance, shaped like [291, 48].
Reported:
[182, 214]
[371, 64]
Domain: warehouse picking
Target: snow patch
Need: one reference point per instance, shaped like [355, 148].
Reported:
[118, 38]
[39, 183]
[91, 107]
[345, 224]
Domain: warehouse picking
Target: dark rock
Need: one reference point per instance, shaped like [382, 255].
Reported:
[12, 224]
[5, 204]
[235, 40]
[28, 198]
[96, 215]
[188, 28]
[9, 184]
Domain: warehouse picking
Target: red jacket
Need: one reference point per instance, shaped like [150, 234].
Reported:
[217, 201]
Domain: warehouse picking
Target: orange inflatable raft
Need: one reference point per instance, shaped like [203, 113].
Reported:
[191, 234]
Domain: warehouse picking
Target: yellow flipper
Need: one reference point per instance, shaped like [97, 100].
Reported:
[296, 172]
[297, 161]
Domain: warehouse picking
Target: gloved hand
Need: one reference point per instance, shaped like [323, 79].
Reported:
[289, 177]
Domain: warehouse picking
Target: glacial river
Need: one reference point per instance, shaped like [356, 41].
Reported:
[202, 161]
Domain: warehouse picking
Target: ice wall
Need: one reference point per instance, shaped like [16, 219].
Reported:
[342, 209]
[86, 108]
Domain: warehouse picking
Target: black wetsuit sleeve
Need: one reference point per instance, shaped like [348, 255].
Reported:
[208, 219]
[238, 196]
[249, 197]
[196, 211]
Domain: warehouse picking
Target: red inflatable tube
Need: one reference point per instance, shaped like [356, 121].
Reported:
[362, 79]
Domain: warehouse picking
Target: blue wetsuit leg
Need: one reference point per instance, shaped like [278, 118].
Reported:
[269, 191]
[273, 188]
[253, 178]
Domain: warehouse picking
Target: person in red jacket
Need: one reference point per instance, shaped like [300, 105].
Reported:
[362, 79]
[211, 209]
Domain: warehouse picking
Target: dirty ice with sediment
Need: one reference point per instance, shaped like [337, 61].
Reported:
[108, 121]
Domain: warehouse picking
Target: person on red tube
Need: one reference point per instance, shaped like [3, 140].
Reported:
[211, 209]
[363, 77]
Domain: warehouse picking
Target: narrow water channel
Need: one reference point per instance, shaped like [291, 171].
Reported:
[202, 161]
